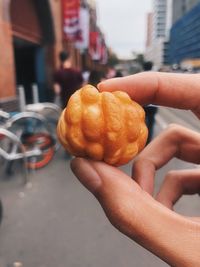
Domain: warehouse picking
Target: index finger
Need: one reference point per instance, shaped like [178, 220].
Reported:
[166, 89]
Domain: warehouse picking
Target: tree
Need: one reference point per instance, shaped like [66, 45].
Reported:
[139, 58]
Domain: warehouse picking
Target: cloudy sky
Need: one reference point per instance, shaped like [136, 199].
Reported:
[124, 24]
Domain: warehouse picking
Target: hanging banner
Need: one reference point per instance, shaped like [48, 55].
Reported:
[71, 28]
[95, 45]
[84, 20]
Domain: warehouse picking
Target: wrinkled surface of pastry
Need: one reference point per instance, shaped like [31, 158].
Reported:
[102, 126]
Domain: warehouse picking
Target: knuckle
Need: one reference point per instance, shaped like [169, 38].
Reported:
[174, 128]
[172, 176]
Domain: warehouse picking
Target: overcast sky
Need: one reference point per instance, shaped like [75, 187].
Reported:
[124, 24]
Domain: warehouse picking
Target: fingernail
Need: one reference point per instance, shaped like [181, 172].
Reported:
[86, 173]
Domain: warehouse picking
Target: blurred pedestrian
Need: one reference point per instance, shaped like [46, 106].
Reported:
[85, 74]
[150, 110]
[118, 74]
[111, 72]
[95, 77]
[66, 79]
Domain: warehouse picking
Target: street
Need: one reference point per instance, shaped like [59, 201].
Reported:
[55, 222]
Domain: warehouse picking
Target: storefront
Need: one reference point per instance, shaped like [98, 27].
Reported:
[32, 33]
[28, 48]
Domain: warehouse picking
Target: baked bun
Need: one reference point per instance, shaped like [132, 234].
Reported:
[105, 126]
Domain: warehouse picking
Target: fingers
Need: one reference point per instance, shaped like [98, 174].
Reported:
[167, 89]
[176, 141]
[178, 183]
[139, 216]
[143, 172]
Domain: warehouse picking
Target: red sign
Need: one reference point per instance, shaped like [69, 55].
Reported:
[98, 50]
[71, 28]
[95, 45]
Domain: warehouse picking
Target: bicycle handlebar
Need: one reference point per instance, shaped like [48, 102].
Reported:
[10, 135]
[38, 107]
[27, 115]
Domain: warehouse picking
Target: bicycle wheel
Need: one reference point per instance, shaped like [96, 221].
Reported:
[45, 143]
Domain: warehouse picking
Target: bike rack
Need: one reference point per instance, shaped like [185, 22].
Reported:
[4, 115]
[39, 107]
[9, 121]
[6, 131]
[32, 115]
[13, 156]
[26, 115]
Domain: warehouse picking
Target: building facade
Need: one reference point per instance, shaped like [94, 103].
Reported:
[149, 35]
[31, 37]
[185, 38]
[165, 14]
[156, 49]
[159, 18]
[181, 7]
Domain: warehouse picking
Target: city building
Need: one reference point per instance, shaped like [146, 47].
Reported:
[157, 27]
[32, 33]
[159, 18]
[149, 36]
[181, 7]
[185, 39]
[165, 14]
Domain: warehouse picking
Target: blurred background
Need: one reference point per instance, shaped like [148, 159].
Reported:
[48, 218]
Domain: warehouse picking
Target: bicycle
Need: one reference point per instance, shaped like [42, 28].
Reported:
[28, 132]
[50, 111]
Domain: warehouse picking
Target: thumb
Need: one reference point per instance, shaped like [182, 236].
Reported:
[136, 214]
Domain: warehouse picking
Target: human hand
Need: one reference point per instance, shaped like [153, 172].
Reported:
[128, 203]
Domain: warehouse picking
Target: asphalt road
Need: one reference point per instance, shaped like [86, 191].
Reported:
[55, 222]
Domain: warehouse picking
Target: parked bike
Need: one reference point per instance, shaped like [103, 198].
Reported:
[27, 136]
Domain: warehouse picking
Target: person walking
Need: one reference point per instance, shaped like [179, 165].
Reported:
[95, 77]
[66, 79]
[150, 110]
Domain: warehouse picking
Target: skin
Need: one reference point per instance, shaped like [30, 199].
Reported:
[128, 202]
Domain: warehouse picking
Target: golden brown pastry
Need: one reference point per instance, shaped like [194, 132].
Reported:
[102, 126]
